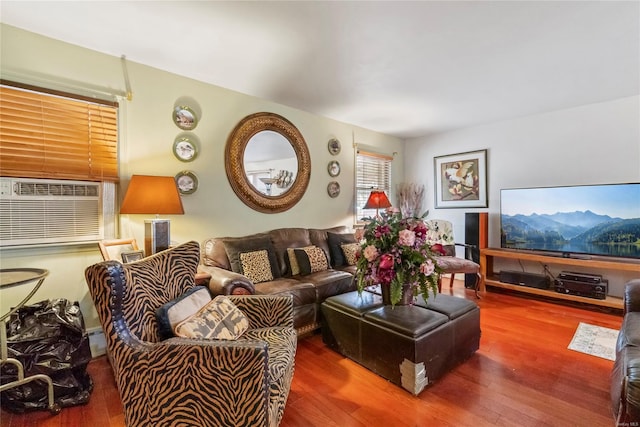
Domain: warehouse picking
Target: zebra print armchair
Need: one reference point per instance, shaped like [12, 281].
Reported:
[191, 382]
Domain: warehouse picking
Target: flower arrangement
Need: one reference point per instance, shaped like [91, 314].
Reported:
[394, 253]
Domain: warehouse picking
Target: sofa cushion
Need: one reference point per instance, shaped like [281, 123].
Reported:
[351, 269]
[234, 247]
[284, 238]
[335, 241]
[175, 311]
[219, 319]
[331, 282]
[311, 259]
[319, 237]
[214, 253]
[303, 292]
[293, 268]
[255, 266]
[350, 252]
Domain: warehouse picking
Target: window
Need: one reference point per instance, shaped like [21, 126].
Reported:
[373, 171]
[58, 166]
[45, 135]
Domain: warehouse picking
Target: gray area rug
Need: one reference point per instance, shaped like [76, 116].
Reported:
[595, 340]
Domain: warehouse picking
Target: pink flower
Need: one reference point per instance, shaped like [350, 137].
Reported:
[385, 277]
[406, 237]
[370, 253]
[427, 267]
[359, 234]
[420, 229]
[395, 252]
[386, 262]
[382, 230]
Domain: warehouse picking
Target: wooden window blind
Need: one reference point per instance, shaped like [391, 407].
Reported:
[44, 135]
[373, 171]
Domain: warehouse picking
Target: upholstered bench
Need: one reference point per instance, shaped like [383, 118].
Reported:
[411, 346]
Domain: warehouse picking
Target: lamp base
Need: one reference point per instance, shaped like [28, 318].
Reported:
[156, 235]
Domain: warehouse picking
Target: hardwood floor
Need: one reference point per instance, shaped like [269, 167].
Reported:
[523, 375]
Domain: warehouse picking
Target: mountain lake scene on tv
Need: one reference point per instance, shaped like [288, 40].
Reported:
[599, 228]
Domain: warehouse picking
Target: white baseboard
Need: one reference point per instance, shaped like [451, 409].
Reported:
[97, 342]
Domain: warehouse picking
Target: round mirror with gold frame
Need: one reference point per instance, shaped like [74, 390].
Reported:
[252, 186]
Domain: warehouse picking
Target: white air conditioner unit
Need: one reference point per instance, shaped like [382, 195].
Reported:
[45, 211]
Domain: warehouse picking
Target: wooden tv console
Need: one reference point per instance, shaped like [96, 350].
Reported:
[490, 277]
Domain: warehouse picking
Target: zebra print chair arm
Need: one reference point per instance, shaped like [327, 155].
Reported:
[222, 382]
[264, 311]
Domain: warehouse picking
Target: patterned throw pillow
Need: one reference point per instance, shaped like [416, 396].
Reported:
[175, 311]
[311, 259]
[293, 261]
[256, 266]
[335, 240]
[234, 247]
[219, 319]
[350, 250]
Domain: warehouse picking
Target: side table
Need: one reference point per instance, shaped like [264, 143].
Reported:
[11, 277]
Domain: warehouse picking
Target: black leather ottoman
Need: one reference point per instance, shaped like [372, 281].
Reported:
[342, 326]
[464, 316]
[411, 346]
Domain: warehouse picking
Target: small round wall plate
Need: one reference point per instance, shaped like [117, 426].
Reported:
[333, 146]
[333, 189]
[185, 118]
[333, 168]
[187, 182]
[185, 148]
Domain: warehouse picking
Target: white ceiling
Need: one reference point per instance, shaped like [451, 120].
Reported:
[401, 68]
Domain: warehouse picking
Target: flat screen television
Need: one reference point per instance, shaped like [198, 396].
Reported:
[573, 221]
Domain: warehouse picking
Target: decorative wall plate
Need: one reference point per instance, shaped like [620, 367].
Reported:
[185, 118]
[333, 146]
[333, 168]
[333, 189]
[187, 182]
[185, 148]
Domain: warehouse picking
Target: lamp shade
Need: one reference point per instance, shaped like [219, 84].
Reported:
[377, 200]
[152, 195]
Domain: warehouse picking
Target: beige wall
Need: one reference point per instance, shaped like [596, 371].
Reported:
[147, 135]
[591, 144]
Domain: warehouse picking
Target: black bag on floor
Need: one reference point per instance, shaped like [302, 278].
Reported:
[48, 338]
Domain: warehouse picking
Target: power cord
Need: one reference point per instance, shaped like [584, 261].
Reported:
[548, 273]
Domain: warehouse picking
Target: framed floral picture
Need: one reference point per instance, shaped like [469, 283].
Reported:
[461, 180]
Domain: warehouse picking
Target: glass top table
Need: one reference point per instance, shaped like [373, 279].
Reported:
[10, 277]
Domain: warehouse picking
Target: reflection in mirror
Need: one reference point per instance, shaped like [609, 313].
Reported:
[269, 162]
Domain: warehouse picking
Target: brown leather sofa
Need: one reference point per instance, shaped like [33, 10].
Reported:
[625, 377]
[308, 290]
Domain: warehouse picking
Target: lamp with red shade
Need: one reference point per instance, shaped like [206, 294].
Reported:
[377, 200]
